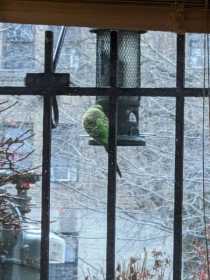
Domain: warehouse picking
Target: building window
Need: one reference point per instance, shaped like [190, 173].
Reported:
[195, 53]
[74, 59]
[64, 173]
[18, 47]
[65, 165]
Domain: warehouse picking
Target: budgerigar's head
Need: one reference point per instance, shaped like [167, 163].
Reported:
[97, 106]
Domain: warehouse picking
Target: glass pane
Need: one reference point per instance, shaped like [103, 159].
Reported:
[78, 55]
[21, 51]
[78, 196]
[20, 186]
[158, 59]
[145, 196]
[194, 246]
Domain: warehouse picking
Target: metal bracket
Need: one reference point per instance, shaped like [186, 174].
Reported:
[47, 81]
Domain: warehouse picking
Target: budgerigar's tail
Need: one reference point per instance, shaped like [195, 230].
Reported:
[118, 169]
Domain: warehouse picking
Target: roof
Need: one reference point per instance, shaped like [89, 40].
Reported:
[164, 15]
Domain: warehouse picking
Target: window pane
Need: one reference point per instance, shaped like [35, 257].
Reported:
[20, 186]
[78, 194]
[145, 195]
[158, 59]
[22, 51]
[78, 55]
[194, 247]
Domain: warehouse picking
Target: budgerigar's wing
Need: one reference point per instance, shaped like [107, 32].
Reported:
[103, 129]
[103, 126]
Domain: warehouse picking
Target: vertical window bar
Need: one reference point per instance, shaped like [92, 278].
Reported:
[112, 164]
[46, 158]
[179, 157]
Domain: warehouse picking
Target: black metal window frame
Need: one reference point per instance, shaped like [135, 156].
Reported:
[50, 84]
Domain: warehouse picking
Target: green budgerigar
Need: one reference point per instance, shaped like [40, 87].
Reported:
[96, 125]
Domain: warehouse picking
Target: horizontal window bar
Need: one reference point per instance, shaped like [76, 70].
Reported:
[92, 91]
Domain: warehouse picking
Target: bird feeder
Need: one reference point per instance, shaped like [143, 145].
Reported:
[128, 76]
